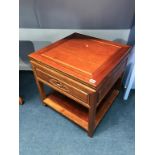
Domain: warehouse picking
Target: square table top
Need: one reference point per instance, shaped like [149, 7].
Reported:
[83, 57]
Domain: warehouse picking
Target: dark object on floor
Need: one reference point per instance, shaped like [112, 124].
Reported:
[20, 100]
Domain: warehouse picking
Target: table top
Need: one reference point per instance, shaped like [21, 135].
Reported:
[83, 57]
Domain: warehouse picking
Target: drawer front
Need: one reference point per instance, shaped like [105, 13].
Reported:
[63, 77]
[61, 86]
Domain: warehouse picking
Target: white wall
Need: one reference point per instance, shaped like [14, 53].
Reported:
[56, 34]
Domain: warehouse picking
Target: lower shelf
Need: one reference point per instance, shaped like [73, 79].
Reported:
[76, 112]
[68, 108]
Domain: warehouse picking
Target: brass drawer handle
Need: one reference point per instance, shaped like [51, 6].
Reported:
[59, 84]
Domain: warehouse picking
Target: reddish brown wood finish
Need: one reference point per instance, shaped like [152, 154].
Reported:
[85, 69]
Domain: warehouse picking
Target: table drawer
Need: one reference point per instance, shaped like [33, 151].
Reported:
[62, 86]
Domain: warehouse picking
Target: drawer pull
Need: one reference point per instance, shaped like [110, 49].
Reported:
[59, 85]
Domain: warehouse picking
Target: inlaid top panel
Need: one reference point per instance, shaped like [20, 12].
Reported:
[81, 56]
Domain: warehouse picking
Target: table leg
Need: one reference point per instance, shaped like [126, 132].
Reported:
[40, 86]
[92, 115]
[41, 89]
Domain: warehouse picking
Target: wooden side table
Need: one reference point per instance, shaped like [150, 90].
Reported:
[85, 73]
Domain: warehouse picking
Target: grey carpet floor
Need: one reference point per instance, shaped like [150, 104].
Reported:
[45, 132]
